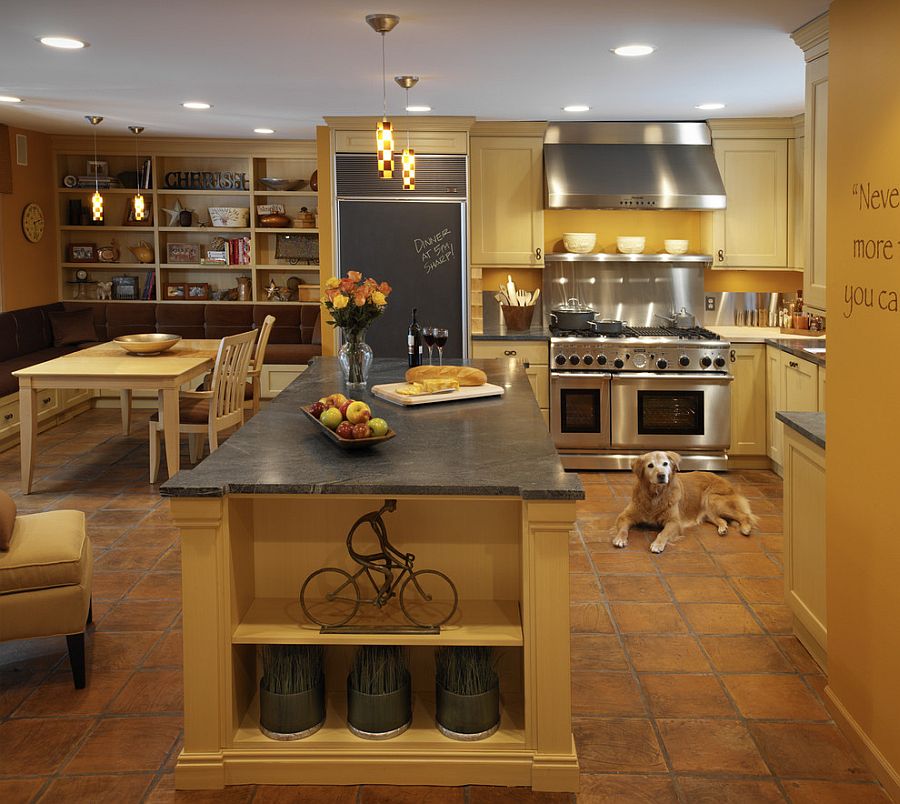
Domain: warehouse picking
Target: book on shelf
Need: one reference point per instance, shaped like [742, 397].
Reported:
[238, 250]
[149, 286]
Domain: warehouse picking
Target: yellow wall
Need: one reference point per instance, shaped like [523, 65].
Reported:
[28, 273]
[863, 548]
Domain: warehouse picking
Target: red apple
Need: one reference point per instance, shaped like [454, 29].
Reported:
[357, 412]
[345, 430]
[343, 410]
[316, 409]
[361, 430]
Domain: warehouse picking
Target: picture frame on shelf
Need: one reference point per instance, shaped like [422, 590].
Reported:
[183, 253]
[97, 169]
[198, 291]
[175, 291]
[81, 252]
[147, 220]
[125, 287]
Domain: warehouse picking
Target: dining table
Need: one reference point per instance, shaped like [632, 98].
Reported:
[109, 366]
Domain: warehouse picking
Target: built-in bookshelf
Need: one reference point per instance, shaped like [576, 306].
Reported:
[196, 175]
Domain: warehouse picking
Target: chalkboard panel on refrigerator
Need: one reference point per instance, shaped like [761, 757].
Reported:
[417, 247]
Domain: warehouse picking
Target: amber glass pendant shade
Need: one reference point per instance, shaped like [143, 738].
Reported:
[97, 206]
[384, 141]
[409, 169]
[139, 208]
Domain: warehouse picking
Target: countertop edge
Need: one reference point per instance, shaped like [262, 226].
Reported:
[809, 424]
[795, 349]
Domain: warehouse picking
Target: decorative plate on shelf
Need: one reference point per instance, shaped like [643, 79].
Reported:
[33, 222]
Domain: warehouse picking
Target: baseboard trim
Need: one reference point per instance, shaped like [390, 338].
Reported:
[876, 761]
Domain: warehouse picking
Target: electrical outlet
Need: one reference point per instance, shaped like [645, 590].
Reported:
[711, 303]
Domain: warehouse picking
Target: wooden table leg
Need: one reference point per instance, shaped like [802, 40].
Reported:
[168, 415]
[27, 431]
[125, 402]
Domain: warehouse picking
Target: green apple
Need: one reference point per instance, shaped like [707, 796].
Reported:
[379, 427]
[331, 418]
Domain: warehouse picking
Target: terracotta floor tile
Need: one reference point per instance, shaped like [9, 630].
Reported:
[701, 589]
[113, 585]
[478, 794]
[597, 491]
[647, 618]
[612, 504]
[617, 745]
[623, 561]
[158, 586]
[597, 653]
[583, 587]
[774, 697]
[748, 564]
[167, 652]
[170, 561]
[666, 654]
[117, 650]
[140, 616]
[148, 741]
[625, 789]
[151, 691]
[19, 791]
[775, 617]
[720, 618]
[164, 792]
[97, 789]
[131, 559]
[673, 695]
[643, 588]
[769, 524]
[818, 682]
[808, 750]
[798, 655]
[292, 794]
[57, 694]
[732, 542]
[745, 654]
[711, 746]
[389, 794]
[590, 618]
[605, 694]
[672, 562]
[141, 537]
[579, 561]
[813, 792]
[761, 590]
[15, 687]
[120, 518]
[721, 791]
[102, 537]
[40, 745]
[772, 543]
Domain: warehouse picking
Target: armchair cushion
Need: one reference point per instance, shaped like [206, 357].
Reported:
[7, 519]
[47, 550]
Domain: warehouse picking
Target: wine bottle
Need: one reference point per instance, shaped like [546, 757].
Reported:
[414, 342]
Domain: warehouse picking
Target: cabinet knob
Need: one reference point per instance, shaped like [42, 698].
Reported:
[537, 253]
[7, 417]
[721, 255]
[733, 356]
[510, 353]
[793, 364]
[46, 400]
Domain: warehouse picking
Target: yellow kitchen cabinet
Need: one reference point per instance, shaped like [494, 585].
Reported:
[507, 210]
[804, 541]
[816, 124]
[748, 399]
[821, 406]
[752, 231]
[801, 383]
[774, 401]
[792, 383]
[534, 356]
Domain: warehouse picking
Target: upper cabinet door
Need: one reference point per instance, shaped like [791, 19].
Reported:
[507, 201]
[816, 135]
[752, 231]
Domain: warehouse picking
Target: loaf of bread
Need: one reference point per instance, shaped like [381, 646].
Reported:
[464, 375]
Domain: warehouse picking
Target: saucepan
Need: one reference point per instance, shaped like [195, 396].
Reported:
[608, 326]
[571, 315]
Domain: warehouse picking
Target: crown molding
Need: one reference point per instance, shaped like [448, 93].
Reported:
[753, 127]
[176, 146]
[812, 38]
[509, 128]
[404, 121]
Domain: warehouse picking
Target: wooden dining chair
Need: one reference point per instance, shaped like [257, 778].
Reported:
[203, 414]
[256, 364]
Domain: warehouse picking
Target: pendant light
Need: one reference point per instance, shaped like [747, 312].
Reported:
[407, 82]
[384, 133]
[96, 198]
[137, 202]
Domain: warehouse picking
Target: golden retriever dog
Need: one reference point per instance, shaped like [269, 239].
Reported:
[664, 497]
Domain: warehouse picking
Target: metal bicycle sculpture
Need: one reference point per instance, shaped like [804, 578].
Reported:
[331, 596]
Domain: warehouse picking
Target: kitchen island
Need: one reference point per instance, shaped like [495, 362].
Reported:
[481, 496]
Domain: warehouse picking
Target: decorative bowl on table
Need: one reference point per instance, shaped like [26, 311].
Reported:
[229, 216]
[676, 246]
[282, 185]
[630, 245]
[579, 242]
[347, 443]
[151, 343]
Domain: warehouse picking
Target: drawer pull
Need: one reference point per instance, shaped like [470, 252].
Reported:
[46, 400]
[7, 417]
[793, 364]
[510, 353]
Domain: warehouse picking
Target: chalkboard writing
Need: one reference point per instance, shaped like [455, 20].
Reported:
[435, 250]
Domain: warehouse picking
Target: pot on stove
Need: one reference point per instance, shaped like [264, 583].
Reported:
[571, 315]
[680, 320]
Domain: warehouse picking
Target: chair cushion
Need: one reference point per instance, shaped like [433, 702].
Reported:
[190, 411]
[98, 310]
[134, 318]
[47, 550]
[71, 327]
[7, 519]
[187, 320]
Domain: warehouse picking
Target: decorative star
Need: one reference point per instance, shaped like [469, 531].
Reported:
[174, 213]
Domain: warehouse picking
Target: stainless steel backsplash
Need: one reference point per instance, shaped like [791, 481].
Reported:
[745, 309]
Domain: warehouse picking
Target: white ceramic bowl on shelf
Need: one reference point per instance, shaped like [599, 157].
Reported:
[630, 245]
[579, 242]
[229, 216]
[676, 246]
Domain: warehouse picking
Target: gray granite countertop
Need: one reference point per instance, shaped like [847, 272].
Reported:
[497, 446]
[809, 425]
[796, 346]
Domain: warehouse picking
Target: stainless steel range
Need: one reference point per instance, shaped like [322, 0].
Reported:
[613, 398]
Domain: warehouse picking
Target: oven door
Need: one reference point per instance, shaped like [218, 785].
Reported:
[579, 410]
[671, 411]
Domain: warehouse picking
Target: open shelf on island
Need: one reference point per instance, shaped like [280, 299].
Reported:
[280, 621]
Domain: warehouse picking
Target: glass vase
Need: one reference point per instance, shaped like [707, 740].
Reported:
[356, 358]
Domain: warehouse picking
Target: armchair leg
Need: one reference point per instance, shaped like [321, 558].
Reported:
[90, 617]
[75, 643]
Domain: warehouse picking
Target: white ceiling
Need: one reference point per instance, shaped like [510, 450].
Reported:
[286, 63]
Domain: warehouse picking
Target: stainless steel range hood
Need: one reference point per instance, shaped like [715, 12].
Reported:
[631, 166]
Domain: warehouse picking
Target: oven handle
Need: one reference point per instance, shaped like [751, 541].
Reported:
[647, 375]
[571, 375]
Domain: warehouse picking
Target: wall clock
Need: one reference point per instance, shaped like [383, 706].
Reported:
[33, 222]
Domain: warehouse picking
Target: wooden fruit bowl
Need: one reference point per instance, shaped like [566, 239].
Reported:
[348, 443]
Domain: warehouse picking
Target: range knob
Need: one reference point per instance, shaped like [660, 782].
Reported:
[684, 360]
[588, 360]
[706, 362]
[560, 360]
[619, 363]
[601, 360]
[719, 362]
[574, 360]
[662, 363]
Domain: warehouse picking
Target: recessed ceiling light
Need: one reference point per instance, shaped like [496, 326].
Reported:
[633, 50]
[576, 107]
[710, 107]
[9, 99]
[196, 105]
[418, 108]
[64, 42]
[264, 131]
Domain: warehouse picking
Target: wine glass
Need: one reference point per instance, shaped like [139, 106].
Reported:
[428, 336]
[440, 340]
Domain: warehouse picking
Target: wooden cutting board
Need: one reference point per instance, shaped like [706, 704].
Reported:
[388, 392]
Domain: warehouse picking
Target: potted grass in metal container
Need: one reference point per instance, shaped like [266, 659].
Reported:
[292, 691]
[379, 694]
[467, 692]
